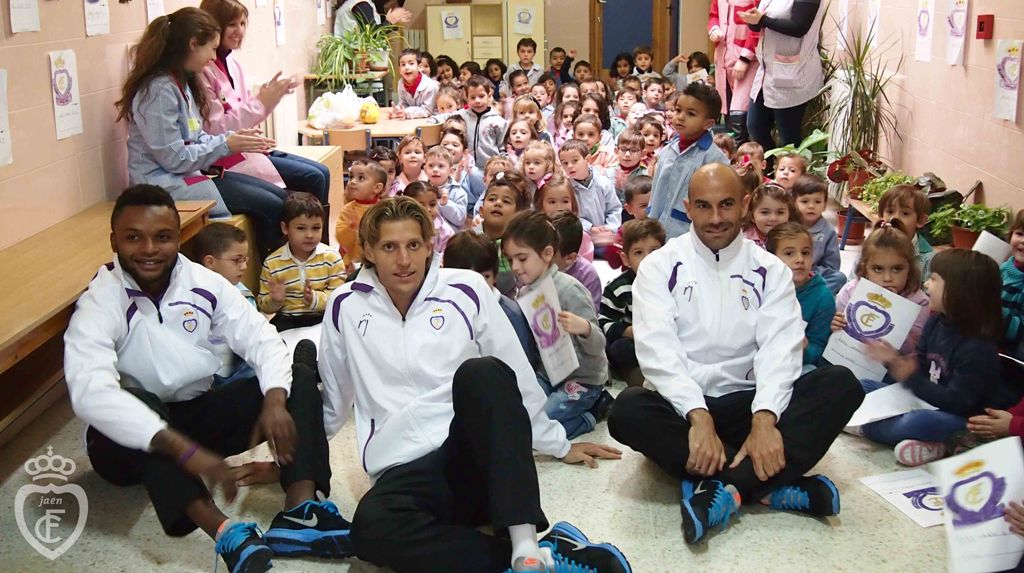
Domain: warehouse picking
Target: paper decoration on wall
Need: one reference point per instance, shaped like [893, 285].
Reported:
[1008, 54]
[913, 492]
[24, 16]
[261, 3]
[97, 17]
[451, 25]
[154, 9]
[873, 314]
[279, 21]
[976, 487]
[6, 155]
[956, 30]
[925, 27]
[321, 16]
[523, 21]
[874, 22]
[67, 105]
[541, 307]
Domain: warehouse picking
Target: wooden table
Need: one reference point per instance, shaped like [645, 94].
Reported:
[384, 129]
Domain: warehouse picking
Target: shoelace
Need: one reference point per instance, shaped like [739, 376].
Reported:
[790, 498]
[232, 538]
[722, 506]
[329, 506]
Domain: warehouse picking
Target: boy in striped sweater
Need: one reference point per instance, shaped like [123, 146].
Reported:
[298, 278]
[640, 237]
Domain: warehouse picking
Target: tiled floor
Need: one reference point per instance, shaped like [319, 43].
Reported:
[629, 502]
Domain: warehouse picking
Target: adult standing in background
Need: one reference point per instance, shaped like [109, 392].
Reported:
[735, 59]
[350, 13]
[232, 107]
[790, 74]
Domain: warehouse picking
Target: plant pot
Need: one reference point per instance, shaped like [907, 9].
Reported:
[361, 63]
[379, 60]
[964, 238]
[857, 228]
[855, 184]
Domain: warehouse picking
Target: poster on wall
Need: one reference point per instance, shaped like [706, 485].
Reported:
[24, 16]
[524, 19]
[67, 105]
[956, 28]
[97, 17]
[925, 26]
[541, 307]
[279, 21]
[154, 9]
[1007, 79]
[451, 25]
[321, 16]
[6, 156]
[977, 486]
[874, 22]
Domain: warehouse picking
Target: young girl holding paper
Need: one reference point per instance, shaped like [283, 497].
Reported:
[956, 365]
[888, 259]
[579, 401]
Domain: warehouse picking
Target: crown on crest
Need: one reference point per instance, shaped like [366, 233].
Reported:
[50, 466]
[879, 299]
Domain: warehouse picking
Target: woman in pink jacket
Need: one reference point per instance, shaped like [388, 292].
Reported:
[233, 107]
[735, 60]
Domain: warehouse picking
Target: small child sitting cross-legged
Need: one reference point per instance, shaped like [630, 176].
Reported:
[298, 278]
[367, 183]
[956, 366]
[640, 237]
[810, 192]
[911, 206]
[791, 243]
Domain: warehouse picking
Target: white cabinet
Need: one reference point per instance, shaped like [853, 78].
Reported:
[484, 30]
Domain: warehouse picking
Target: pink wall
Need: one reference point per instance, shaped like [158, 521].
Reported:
[945, 112]
[52, 180]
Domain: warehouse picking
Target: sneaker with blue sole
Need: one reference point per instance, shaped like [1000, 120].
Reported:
[243, 549]
[534, 565]
[706, 504]
[570, 546]
[311, 529]
[814, 495]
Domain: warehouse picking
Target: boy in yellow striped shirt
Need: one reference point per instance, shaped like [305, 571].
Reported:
[298, 278]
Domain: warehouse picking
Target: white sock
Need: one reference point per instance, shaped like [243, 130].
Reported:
[224, 525]
[524, 541]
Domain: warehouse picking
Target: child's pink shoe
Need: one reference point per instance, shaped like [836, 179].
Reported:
[916, 453]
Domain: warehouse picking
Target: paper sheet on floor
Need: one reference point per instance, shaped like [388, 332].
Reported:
[885, 403]
[976, 486]
[913, 492]
[293, 336]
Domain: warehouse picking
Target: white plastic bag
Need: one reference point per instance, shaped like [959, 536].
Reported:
[335, 109]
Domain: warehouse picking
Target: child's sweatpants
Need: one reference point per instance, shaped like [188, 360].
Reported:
[569, 404]
[924, 425]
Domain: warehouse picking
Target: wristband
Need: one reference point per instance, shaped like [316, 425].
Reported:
[188, 454]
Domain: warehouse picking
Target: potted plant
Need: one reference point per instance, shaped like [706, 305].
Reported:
[873, 190]
[966, 222]
[815, 157]
[334, 60]
[375, 42]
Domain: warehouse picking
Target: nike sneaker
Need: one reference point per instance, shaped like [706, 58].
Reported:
[815, 495]
[243, 549]
[571, 548]
[312, 528]
[705, 504]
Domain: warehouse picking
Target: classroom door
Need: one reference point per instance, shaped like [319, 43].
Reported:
[622, 25]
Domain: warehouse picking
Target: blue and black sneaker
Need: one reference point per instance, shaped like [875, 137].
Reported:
[534, 565]
[706, 504]
[815, 495]
[312, 528]
[243, 549]
[570, 547]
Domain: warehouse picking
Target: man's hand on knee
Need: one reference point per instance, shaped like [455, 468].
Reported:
[276, 426]
[764, 446]
[707, 454]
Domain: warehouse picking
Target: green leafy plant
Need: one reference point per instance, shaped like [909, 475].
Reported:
[975, 218]
[873, 190]
[811, 149]
[335, 58]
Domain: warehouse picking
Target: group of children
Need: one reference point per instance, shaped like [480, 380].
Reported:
[520, 204]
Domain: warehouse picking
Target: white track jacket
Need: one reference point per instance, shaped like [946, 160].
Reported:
[120, 336]
[709, 324]
[399, 371]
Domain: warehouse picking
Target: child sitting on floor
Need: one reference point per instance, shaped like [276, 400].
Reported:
[789, 168]
[298, 278]
[751, 153]
[527, 109]
[638, 197]
[1012, 271]
[643, 59]
[579, 401]
[366, 185]
[887, 259]
[570, 239]
[558, 196]
[538, 163]
[417, 93]
[770, 205]
[502, 201]
[563, 120]
[449, 99]
[454, 199]
[628, 152]
[600, 209]
[225, 250]
[387, 158]
[640, 237]
[791, 243]
[810, 192]
[587, 128]
[485, 127]
[520, 134]
[410, 164]
[956, 364]
[911, 206]
[727, 144]
[653, 93]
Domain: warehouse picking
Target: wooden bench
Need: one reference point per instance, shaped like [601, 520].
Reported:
[855, 206]
[44, 276]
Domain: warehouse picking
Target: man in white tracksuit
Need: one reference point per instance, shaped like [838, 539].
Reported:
[448, 411]
[719, 337]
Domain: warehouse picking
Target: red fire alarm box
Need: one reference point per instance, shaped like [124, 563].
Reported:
[986, 22]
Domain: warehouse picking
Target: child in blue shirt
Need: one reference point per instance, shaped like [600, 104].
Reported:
[810, 193]
[791, 243]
